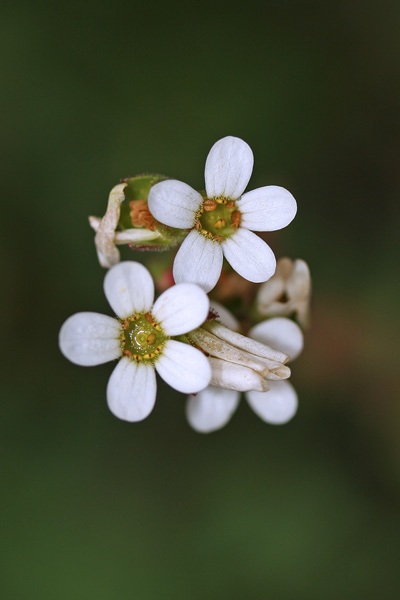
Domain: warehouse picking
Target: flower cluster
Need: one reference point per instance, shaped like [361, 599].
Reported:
[197, 347]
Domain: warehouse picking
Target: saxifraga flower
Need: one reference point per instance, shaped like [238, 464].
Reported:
[141, 337]
[222, 222]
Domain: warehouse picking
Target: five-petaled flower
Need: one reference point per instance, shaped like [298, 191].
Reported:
[213, 407]
[222, 222]
[141, 337]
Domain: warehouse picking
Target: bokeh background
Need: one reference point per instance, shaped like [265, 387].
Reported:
[95, 508]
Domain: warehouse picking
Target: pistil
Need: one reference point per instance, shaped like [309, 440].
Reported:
[142, 337]
[218, 218]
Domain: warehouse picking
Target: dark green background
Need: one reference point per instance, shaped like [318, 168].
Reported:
[95, 508]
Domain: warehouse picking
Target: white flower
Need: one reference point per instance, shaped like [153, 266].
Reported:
[223, 221]
[287, 292]
[212, 408]
[141, 337]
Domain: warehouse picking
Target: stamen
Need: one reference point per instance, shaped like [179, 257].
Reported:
[236, 217]
[216, 218]
[141, 216]
[149, 317]
[209, 204]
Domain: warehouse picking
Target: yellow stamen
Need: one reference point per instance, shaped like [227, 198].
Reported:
[220, 224]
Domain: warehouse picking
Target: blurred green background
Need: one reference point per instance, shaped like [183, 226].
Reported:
[96, 508]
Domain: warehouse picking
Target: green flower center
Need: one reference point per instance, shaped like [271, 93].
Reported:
[218, 218]
[142, 338]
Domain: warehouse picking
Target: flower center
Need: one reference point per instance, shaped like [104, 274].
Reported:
[218, 218]
[142, 337]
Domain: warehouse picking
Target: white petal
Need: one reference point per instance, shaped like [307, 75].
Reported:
[228, 169]
[183, 367]
[244, 342]
[135, 236]
[181, 308]
[89, 339]
[280, 333]
[231, 376]
[249, 256]
[269, 292]
[174, 203]
[225, 316]
[199, 260]
[107, 252]
[211, 409]
[299, 281]
[131, 390]
[129, 289]
[278, 405]
[267, 208]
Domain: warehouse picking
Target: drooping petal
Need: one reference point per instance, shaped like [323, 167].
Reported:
[181, 308]
[129, 289]
[280, 333]
[131, 390]
[211, 409]
[278, 405]
[183, 367]
[299, 281]
[89, 339]
[174, 203]
[249, 255]
[244, 342]
[228, 168]
[231, 376]
[225, 316]
[136, 236]
[107, 252]
[267, 208]
[270, 291]
[199, 260]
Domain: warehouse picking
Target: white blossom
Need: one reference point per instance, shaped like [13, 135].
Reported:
[141, 337]
[222, 222]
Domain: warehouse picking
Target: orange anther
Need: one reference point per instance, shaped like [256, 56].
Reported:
[235, 219]
[209, 204]
[148, 317]
[151, 338]
[141, 216]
